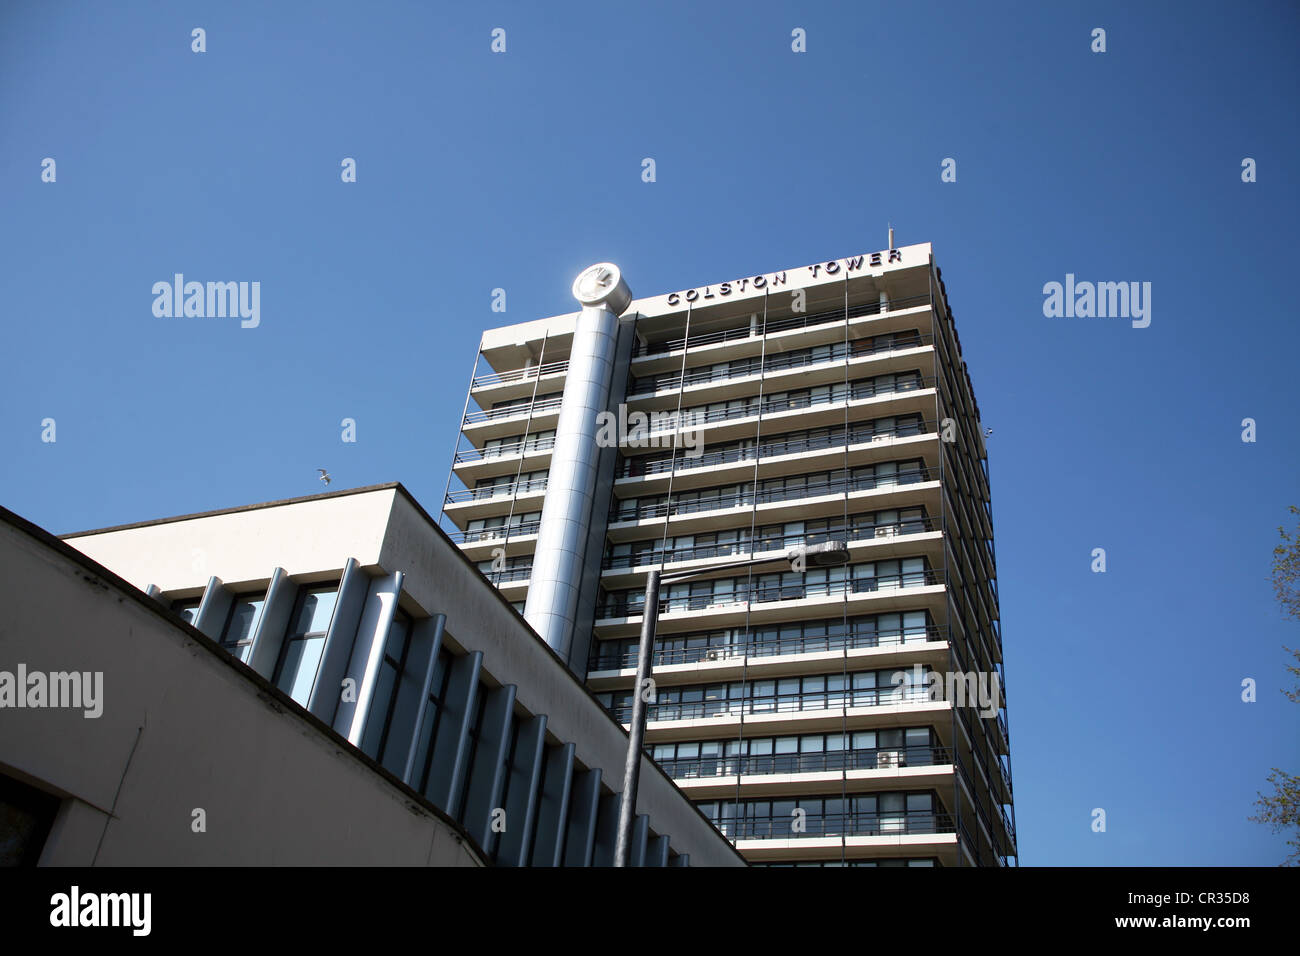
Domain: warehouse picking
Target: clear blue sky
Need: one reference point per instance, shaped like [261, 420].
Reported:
[479, 170]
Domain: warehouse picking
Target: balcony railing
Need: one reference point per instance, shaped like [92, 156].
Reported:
[641, 466]
[703, 415]
[1006, 822]
[1004, 771]
[836, 825]
[510, 411]
[811, 489]
[829, 355]
[632, 604]
[518, 375]
[504, 490]
[527, 446]
[980, 809]
[509, 574]
[655, 556]
[773, 648]
[832, 761]
[490, 534]
[779, 325]
[970, 841]
[781, 704]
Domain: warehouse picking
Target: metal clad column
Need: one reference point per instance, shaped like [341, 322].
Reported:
[522, 793]
[451, 742]
[213, 609]
[580, 838]
[607, 829]
[553, 807]
[607, 463]
[487, 774]
[657, 854]
[327, 686]
[351, 714]
[272, 623]
[565, 526]
[426, 642]
[640, 839]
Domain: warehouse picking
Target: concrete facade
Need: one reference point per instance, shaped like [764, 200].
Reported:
[192, 761]
[824, 402]
[476, 755]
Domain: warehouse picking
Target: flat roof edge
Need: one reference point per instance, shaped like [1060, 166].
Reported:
[256, 506]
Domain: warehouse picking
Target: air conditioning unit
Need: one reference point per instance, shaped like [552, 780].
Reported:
[890, 759]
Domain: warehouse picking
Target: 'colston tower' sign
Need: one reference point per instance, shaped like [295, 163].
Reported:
[779, 278]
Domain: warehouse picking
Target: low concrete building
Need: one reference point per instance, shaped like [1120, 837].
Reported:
[325, 680]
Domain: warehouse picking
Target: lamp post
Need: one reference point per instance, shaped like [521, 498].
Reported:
[821, 555]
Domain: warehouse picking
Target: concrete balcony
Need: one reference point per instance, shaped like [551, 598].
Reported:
[880, 835]
[942, 846]
[746, 336]
[750, 661]
[764, 717]
[491, 387]
[832, 772]
[494, 501]
[819, 499]
[913, 537]
[480, 545]
[914, 590]
[639, 477]
[472, 464]
[724, 426]
[703, 386]
[482, 424]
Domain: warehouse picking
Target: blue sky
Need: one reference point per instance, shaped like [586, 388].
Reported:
[478, 170]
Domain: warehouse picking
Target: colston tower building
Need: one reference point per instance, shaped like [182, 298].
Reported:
[851, 713]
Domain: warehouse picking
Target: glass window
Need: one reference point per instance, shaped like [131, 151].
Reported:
[26, 815]
[187, 610]
[237, 634]
[396, 694]
[305, 642]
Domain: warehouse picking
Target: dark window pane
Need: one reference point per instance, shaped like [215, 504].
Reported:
[26, 815]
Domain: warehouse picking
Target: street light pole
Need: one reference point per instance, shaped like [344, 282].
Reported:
[823, 554]
[636, 736]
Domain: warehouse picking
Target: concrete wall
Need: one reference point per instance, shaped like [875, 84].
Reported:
[313, 536]
[480, 619]
[386, 531]
[183, 728]
[809, 277]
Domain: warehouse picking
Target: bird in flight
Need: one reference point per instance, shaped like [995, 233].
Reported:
[324, 475]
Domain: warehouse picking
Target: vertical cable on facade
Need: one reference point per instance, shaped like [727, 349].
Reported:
[745, 689]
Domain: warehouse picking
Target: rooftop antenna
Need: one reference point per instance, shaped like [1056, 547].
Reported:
[891, 235]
